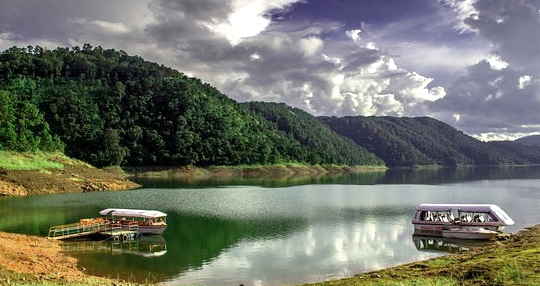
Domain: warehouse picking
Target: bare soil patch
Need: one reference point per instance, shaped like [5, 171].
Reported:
[71, 179]
[27, 259]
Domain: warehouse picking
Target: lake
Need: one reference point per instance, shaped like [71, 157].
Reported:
[275, 232]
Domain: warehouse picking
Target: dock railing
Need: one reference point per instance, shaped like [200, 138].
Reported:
[79, 229]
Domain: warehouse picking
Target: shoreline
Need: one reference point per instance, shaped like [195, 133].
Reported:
[247, 171]
[28, 259]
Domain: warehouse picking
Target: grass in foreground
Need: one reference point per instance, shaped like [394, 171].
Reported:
[497, 265]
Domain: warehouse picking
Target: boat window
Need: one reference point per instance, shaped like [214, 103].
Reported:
[479, 217]
[492, 217]
[454, 216]
[466, 217]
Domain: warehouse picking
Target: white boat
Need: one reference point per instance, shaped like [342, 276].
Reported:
[148, 221]
[433, 219]
[475, 233]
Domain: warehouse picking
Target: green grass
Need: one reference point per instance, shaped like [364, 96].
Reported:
[512, 263]
[38, 161]
[30, 161]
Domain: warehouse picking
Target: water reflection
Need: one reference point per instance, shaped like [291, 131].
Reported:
[439, 244]
[434, 175]
[313, 254]
[146, 246]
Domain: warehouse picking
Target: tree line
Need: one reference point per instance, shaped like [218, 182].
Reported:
[106, 107]
[426, 141]
[109, 108]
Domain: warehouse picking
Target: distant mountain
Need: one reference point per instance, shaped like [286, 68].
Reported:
[422, 141]
[310, 132]
[521, 154]
[533, 140]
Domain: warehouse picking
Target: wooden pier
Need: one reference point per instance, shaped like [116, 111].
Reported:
[87, 227]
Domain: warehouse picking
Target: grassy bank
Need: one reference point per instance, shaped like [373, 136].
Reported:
[32, 173]
[37, 161]
[512, 262]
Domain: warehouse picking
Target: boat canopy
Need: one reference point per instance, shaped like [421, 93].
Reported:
[481, 208]
[132, 213]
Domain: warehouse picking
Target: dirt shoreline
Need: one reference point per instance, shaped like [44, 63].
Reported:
[70, 179]
[30, 259]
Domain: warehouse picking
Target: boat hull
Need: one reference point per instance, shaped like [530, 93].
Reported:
[437, 229]
[470, 233]
[148, 229]
[152, 229]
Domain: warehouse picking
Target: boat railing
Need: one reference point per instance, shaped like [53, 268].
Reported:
[133, 226]
[115, 228]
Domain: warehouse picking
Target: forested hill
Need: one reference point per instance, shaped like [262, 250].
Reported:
[310, 132]
[107, 107]
[533, 140]
[425, 141]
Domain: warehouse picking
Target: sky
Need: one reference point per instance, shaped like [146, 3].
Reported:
[473, 64]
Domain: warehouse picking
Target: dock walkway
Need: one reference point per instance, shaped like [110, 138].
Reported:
[87, 227]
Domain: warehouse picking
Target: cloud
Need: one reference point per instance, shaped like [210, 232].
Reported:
[103, 26]
[491, 100]
[433, 44]
[501, 93]
[471, 63]
[464, 9]
[236, 46]
[354, 34]
[293, 68]
[512, 25]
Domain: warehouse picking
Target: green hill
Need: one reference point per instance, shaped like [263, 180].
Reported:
[424, 141]
[533, 140]
[110, 108]
[306, 129]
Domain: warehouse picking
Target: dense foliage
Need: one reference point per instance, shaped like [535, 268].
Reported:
[425, 141]
[22, 125]
[110, 108]
[327, 145]
[520, 153]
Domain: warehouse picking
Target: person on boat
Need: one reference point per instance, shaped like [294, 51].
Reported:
[479, 218]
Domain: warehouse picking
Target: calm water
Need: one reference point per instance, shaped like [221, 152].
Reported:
[271, 232]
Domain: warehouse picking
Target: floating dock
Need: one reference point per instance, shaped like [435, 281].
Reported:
[87, 227]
